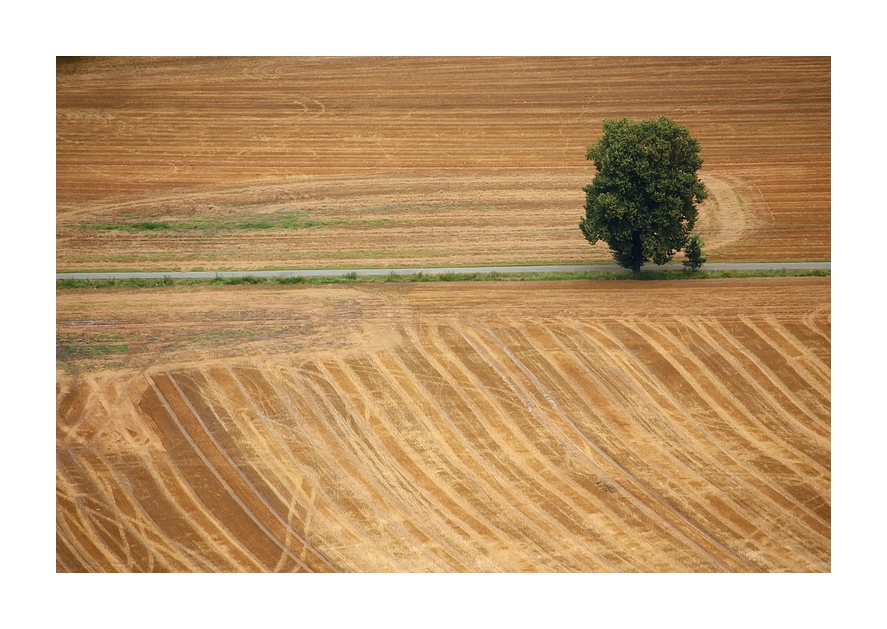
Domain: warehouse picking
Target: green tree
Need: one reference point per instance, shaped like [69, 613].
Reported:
[642, 201]
[693, 251]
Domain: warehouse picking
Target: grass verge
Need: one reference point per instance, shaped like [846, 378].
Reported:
[450, 276]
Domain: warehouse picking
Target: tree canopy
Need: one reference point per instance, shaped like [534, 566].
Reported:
[642, 201]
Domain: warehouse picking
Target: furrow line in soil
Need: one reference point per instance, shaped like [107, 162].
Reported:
[697, 419]
[520, 507]
[670, 467]
[738, 425]
[632, 502]
[233, 476]
[480, 515]
[345, 421]
[523, 438]
[768, 393]
[218, 498]
[256, 440]
[514, 456]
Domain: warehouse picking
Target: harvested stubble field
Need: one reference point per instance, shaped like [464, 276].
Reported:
[213, 164]
[551, 426]
[544, 426]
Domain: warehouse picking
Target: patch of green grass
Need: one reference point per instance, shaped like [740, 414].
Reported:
[711, 275]
[89, 346]
[249, 224]
[144, 226]
[133, 282]
[293, 279]
[215, 338]
[234, 281]
[276, 220]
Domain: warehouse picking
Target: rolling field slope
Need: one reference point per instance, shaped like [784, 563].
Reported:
[248, 163]
[567, 426]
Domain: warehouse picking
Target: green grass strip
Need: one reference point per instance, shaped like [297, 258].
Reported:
[450, 276]
[254, 222]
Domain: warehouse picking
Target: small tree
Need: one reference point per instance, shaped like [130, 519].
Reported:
[642, 201]
[693, 250]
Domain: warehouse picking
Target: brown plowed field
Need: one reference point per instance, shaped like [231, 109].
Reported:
[354, 162]
[565, 426]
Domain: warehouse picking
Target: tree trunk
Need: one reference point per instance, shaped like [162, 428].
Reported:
[637, 255]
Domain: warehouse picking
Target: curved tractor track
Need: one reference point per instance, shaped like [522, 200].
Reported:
[552, 427]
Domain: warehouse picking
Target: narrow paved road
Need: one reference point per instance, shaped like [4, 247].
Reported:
[755, 266]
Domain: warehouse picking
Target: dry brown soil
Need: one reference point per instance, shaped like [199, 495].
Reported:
[424, 161]
[574, 426]
[564, 426]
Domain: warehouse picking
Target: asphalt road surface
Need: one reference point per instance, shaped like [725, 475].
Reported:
[754, 266]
